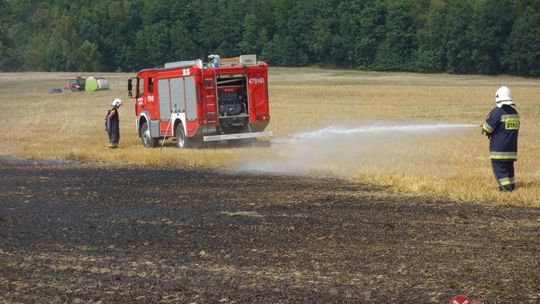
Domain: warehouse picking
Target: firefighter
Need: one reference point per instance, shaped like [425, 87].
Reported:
[112, 122]
[502, 128]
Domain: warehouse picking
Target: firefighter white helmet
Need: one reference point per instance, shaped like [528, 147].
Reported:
[116, 103]
[503, 97]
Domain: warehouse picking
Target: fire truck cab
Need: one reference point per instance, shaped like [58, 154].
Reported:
[195, 103]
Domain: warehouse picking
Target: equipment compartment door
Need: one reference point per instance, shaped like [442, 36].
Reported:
[191, 98]
[164, 100]
[177, 95]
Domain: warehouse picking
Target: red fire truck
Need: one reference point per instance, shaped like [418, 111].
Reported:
[195, 103]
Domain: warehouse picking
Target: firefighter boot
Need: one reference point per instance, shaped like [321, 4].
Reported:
[507, 188]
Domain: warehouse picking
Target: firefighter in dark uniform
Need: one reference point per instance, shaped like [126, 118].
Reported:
[112, 122]
[502, 128]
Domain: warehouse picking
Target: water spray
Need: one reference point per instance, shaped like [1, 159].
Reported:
[374, 130]
[347, 148]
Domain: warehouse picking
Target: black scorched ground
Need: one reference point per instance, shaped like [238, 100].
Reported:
[70, 233]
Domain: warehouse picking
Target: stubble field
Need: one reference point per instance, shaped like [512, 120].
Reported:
[450, 164]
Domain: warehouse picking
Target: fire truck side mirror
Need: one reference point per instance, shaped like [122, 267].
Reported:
[130, 88]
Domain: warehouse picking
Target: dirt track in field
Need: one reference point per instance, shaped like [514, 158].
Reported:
[72, 234]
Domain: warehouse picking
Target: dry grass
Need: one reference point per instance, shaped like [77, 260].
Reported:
[70, 126]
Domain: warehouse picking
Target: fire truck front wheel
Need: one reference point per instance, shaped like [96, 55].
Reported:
[147, 140]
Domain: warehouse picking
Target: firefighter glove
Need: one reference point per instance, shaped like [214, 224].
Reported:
[487, 134]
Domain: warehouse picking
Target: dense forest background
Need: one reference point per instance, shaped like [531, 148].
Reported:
[456, 36]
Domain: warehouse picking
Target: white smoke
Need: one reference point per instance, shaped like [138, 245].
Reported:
[343, 149]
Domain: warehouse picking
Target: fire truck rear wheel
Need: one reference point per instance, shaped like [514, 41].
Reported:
[181, 138]
[184, 142]
[146, 139]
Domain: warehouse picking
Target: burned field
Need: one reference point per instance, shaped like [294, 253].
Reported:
[69, 233]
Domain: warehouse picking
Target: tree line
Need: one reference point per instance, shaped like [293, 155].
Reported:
[456, 36]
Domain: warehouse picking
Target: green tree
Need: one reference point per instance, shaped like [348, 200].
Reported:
[272, 50]
[458, 39]
[117, 22]
[181, 44]
[320, 45]
[522, 52]
[53, 45]
[88, 57]
[471, 36]
[219, 27]
[284, 51]
[366, 32]
[396, 50]
[313, 28]
[348, 14]
[489, 34]
[520, 6]
[6, 48]
[431, 53]
[292, 55]
[152, 45]
[253, 37]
